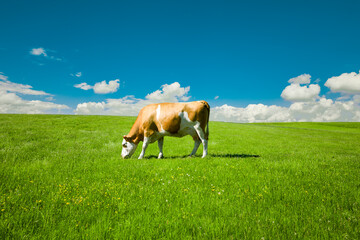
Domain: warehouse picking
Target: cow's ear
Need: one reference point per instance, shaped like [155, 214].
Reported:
[127, 138]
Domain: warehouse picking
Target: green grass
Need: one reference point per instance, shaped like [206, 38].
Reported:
[62, 177]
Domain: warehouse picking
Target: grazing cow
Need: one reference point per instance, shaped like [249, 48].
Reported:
[168, 119]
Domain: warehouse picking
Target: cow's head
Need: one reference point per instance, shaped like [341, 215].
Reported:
[128, 147]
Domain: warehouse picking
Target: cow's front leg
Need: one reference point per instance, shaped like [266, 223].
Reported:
[160, 144]
[144, 146]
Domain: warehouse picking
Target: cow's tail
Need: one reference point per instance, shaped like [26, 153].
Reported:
[208, 118]
[207, 128]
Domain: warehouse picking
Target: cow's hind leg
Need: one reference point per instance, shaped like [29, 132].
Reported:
[196, 146]
[201, 135]
[160, 144]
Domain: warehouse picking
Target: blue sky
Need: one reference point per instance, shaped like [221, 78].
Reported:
[232, 53]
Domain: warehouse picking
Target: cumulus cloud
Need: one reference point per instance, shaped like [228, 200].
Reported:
[321, 110]
[345, 83]
[170, 93]
[83, 86]
[3, 77]
[6, 85]
[306, 105]
[78, 74]
[92, 108]
[325, 110]
[38, 52]
[42, 52]
[250, 114]
[130, 106]
[10, 102]
[50, 98]
[302, 79]
[101, 87]
[296, 93]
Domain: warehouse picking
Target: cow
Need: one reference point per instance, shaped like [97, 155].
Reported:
[168, 119]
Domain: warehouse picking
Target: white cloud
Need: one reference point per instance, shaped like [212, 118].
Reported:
[356, 99]
[311, 108]
[50, 98]
[3, 77]
[321, 110]
[38, 52]
[302, 79]
[169, 93]
[12, 103]
[325, 110]
[345, 83]
[6, 85]
[296, 93]
[101, 87]
[130, 106]
[216, 97]
[252, 113]
[78, 74]
[92, 108]
[83, 86]
[42, 52]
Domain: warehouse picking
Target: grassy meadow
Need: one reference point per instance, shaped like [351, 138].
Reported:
[62, 177]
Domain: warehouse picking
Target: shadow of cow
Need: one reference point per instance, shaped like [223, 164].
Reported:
[218, 155]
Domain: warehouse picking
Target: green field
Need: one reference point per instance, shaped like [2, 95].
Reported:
[62, 177]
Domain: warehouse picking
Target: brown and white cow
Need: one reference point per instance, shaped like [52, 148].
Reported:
[168, 119]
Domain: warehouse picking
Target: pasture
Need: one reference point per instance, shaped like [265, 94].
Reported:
[62, 177]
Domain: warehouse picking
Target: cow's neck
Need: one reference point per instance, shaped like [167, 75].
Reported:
[136, 134]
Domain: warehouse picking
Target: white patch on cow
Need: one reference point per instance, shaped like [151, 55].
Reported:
[186, 125]
[128, 149]
[158, 112]
[164, 132]
[158, 117]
